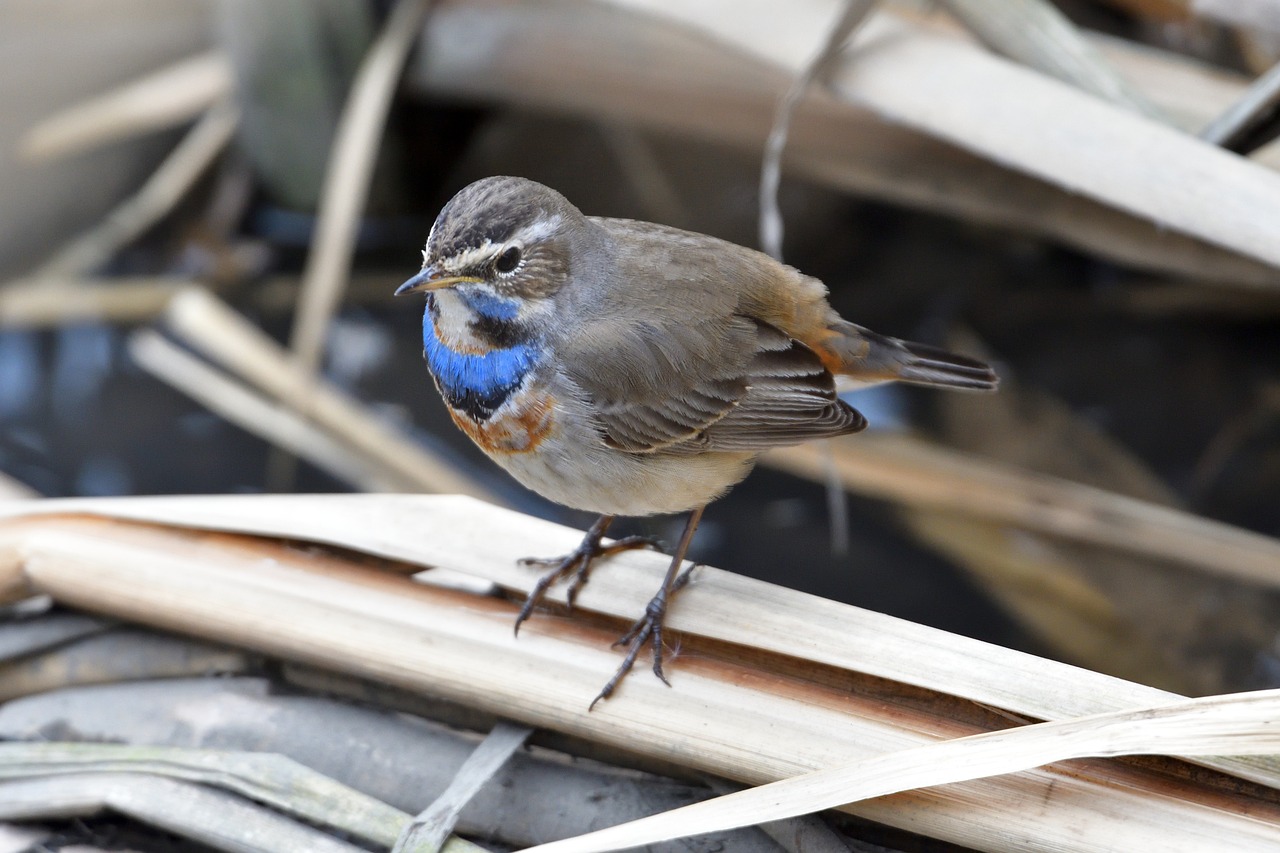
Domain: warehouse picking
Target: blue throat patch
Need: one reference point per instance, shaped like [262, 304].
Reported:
[478, 384]
[489, 306]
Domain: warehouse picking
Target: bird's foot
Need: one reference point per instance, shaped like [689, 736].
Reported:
[577, 565]
[647, 631]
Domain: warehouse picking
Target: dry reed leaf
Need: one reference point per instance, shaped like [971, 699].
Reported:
[1242, 724]
[265, 777]
[215, 819]
[429, 830]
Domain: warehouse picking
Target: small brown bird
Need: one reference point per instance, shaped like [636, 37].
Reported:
[628, 368]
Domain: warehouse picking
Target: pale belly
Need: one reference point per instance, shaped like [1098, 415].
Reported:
[610, 482]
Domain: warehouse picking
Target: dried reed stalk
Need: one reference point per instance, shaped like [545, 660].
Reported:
[43, 302]
[229, 398]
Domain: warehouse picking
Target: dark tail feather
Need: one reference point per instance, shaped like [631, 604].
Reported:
[869, 357]
[926, 365]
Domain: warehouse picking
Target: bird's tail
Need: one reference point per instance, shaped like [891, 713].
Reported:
[868, 357]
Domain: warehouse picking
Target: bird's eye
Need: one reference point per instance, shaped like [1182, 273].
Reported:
[508, 260]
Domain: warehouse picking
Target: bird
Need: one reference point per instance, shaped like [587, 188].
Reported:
[627, 368]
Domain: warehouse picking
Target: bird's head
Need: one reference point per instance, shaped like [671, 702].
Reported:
[501, 238]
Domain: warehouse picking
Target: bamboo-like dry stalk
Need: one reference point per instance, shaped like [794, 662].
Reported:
[45, 302]
[774, 715]
[162, 99]
[733, 609]
[922, 475]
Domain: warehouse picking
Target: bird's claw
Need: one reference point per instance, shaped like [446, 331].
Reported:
[646, 631]
[576, 565]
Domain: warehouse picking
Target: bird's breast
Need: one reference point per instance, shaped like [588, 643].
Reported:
[490, 390]
[519, 426]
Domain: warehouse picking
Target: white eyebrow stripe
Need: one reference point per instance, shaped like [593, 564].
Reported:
[537, 230]
[477, 256]
[469, 258]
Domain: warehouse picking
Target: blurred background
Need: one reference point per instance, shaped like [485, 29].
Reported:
[203, 202]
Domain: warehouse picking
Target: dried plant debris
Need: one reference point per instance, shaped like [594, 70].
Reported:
[398, 760]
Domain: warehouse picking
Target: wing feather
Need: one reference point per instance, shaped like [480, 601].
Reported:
[737, 385]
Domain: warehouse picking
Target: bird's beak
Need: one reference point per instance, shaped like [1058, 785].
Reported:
[430, 279]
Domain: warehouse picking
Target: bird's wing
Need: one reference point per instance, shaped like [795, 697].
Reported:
[653, 382]
[730, 383]
[791, 398]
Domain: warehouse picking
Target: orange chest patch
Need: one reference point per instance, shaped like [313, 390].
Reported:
[519, 427]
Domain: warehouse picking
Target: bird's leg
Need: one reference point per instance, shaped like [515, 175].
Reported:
[578, 563]
[648, 628]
